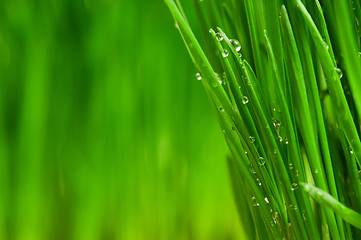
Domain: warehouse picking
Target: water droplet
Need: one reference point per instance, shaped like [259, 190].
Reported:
[275, 216]
[224, 131]
[225, 53]
[259, 182]
[218, 78]
[199, 77]
[293, 207]
[224, 77]
[276, 124]
[290, 228]
[274, 107]
[245, 100]
[246, 152]
[351, 151]
[254, 202]
[281, 139]
[221, 109]
[291, 165]
[251, 168]
[286, 141]
[339, 72]
[252, 139]
[275, 151]
[261, 161]
[326, 45]
[294, 186]
[236, 45]
[304, 214]
[316, 170]
[297, 173]
[266, 200]
[219, 36]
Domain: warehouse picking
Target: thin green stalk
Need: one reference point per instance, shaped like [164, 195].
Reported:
[327, 200]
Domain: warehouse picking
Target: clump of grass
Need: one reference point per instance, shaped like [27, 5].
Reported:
[284, 78]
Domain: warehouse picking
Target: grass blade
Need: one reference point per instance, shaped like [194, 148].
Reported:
[326, 200]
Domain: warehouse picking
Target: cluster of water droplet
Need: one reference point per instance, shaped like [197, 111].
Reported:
[277, 126]
[198, 76]
[237, 46]
[235, 43]
[218, 78]
[293, 170]
[259, 182]
[251, 169]
[292, 207]
[274, 216]
[261, 161]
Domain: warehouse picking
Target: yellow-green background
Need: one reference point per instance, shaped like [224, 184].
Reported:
[104, 131]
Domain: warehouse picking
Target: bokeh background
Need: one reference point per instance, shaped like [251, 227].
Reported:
[105, 133]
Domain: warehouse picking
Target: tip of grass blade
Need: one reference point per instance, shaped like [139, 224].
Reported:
[326, 200]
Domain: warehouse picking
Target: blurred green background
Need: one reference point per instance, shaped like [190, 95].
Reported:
[104, 131]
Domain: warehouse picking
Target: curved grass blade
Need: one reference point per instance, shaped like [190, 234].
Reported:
[325, 199]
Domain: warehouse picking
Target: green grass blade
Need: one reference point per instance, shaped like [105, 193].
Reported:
[326, 200]
[350, 50]
[305, 122]
[286, 85]
[335, 87]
